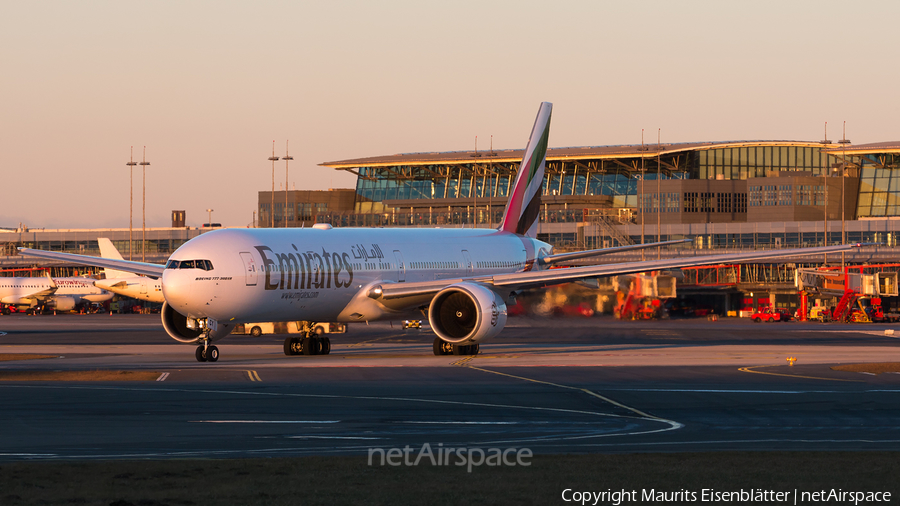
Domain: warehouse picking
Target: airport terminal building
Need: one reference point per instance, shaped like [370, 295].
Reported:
[748, 194]
[725, 196]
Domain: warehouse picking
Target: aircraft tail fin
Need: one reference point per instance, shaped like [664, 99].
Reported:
[521, 215]
[107, 250]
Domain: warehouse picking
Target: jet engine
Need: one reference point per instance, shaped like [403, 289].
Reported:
[185, 330]
[62, 303]
[467, 313]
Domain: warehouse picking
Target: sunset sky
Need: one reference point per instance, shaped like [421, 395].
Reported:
[207, 87]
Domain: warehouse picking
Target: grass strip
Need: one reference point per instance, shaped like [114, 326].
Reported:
[98, 375]
[7, 357]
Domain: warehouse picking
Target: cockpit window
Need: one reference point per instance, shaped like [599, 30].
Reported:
[205, 265]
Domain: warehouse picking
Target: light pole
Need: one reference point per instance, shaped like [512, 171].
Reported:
[144, 164]
[274, 159]
[825, 198]
[843, 142]
[131, 163]
[209, 218]
[659, 200]
[641, 198]
[287, 158]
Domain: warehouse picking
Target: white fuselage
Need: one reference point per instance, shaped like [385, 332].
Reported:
[247, 275]
[28, 291]
[136, 287]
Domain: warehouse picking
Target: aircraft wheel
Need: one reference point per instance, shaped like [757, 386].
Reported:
[459, 350]
[326, 346]
[212, 354]
[289, 346]
[437, 346]
[474, 349]
[310, 346]
[201, 357]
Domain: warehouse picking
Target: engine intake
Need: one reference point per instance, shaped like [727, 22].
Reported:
[176, 326]
[467, 313]
[62, 303]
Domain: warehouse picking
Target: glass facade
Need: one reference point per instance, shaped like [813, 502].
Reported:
[617, 178]
[879, 186]
[620, 181]
[755, 161]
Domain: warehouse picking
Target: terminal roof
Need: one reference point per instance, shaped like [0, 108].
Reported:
[553, 154]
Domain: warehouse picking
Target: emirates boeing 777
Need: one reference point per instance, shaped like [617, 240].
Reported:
[462, 278]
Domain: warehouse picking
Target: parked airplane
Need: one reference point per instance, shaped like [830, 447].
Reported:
[462, 278]
[126, 283]
[58, 294]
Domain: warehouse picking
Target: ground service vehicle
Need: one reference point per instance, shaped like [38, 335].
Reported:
[767, 314]
[259, 328]
[820, 313]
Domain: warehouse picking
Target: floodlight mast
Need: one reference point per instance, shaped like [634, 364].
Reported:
[131, 163]
[287, 158]
[144, 163]
[274, 159]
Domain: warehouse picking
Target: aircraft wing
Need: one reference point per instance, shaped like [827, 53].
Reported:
[147, 269]
[534, 279]
[565, 257]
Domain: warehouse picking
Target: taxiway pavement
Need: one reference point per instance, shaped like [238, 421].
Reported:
[551, 385]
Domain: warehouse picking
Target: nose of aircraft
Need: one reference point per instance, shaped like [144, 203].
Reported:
[176, 287]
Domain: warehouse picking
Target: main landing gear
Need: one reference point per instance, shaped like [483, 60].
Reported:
[442, 347]
[313, 345]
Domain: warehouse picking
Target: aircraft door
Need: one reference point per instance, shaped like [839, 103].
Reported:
[250, 271]
[468, 262]
[144, 282]
[401, 267]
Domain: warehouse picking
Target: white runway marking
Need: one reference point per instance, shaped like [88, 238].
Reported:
[669, 425]
[335, 437]
[461, 423]
[162, 377]
[264, 421]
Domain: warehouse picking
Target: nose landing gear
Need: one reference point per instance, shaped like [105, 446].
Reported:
[205, 352]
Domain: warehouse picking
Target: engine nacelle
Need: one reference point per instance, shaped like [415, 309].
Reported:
[466, 313]
[180, 329]
[62, 303]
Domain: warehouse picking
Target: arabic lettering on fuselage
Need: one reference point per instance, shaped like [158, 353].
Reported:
[361, 253]
[305, 270]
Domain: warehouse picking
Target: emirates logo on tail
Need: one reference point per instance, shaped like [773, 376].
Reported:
[524, 204]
